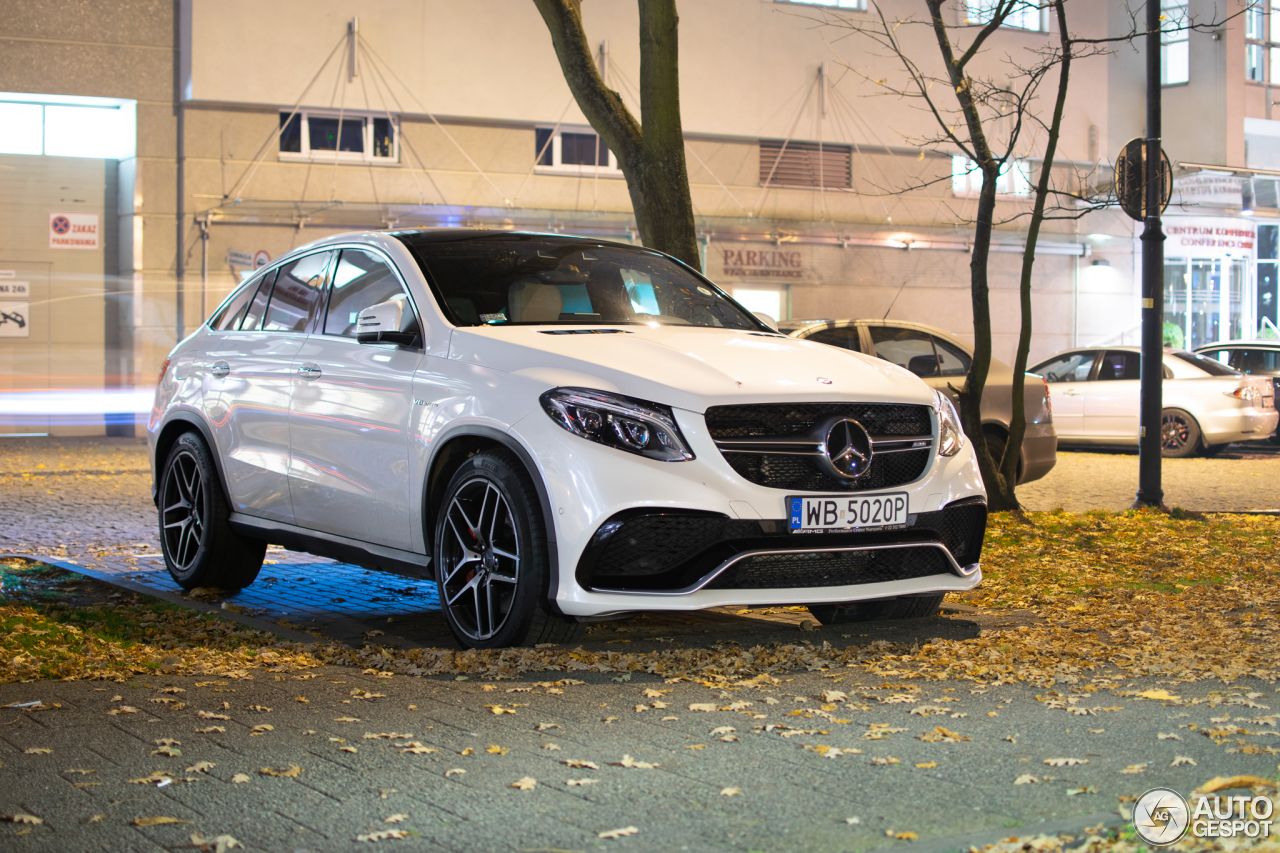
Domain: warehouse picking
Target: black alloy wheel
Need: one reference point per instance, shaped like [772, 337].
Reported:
[1179, 434]
[492, 565]
[199, 546]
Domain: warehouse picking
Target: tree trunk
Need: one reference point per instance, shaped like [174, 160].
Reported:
[1017, 426]
[652, 159]
[1000, 491]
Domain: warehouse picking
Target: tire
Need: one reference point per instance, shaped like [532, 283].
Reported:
[199, 546]
[491, 559]
[905, 607]
[1179, 434]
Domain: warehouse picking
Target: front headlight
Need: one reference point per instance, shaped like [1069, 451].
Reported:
[648, 429]
[950, 435]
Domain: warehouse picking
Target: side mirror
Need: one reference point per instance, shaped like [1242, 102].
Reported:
[766, 319]
[389, 322]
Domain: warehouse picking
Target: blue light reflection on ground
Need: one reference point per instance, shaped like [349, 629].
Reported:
[301, 588]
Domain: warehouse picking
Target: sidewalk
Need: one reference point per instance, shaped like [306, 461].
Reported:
[832, 758]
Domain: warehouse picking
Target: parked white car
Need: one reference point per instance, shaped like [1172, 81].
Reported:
[1256, 358]
[554, 430]
[1206, 405]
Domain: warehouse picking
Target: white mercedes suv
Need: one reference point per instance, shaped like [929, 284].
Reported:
[555, 430]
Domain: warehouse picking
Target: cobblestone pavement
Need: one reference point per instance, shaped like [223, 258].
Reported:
[88, 501]
[369, 750]
[1246, 478]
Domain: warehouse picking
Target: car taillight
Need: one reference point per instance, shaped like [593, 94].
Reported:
[164, 368]
[1245, 392]
[1048, 400]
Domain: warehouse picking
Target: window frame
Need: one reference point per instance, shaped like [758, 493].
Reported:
[50, 125]
[1181, 36]
[842, 5]
[973, 14]
[247, 288]
[1262, 43]
[307, 154]
[322, 321]
[1016, 174]
[273, 273]
[555, 151]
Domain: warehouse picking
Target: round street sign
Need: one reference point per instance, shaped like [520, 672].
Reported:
[261, 258]
[1131, 179]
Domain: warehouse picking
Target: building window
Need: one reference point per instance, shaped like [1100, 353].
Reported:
[805, 164]
[1175, 53]
[57, 126]
[573, 151]
[966, 178]
[329, 136]
[1024, 16]
[860, 5]
[1268, 276]
[1262, 42]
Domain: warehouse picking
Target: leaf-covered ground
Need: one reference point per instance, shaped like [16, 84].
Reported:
[1099, 596]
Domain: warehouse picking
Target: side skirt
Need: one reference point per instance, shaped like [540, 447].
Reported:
[366, 554]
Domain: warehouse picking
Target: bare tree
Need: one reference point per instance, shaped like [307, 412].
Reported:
[988, 118]
[651, 156]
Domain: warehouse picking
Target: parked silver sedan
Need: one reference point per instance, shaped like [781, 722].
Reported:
[1206, 405]
[942, 360]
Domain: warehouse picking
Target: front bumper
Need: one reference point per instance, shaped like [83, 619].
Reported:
[737, 550]
[677, 553]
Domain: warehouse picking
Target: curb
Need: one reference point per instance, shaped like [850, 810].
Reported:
[173, 598]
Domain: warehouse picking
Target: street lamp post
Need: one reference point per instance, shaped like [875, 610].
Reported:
[1150, 493]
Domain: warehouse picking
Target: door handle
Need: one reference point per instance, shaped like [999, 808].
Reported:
[309, 371]
[220, 369]
[1071, 392]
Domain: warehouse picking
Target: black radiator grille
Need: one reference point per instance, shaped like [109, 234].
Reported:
[801, 473]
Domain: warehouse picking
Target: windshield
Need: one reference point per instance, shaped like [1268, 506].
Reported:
[515, 279]
[1208, 365]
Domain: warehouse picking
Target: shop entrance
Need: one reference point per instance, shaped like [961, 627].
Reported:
[1204, 301]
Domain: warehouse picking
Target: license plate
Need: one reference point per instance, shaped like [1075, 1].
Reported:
[812, 515]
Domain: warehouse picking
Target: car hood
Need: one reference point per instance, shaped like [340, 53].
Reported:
[687, 367]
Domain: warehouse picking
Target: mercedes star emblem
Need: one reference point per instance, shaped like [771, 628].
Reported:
[848, 449]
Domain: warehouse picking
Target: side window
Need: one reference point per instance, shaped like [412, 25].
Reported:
[1120, 365]
[258, 307]
[1072, 367]
[952, 361]
[1256, 361]
[1224, 356]
[845, 338]
[228, 319]
[361, 280]
[298, 288]
[906, 348]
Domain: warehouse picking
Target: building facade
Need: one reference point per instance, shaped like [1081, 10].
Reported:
[253, 128]
[1221, 79]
